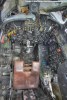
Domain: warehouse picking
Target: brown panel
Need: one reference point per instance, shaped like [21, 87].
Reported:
[25, 79]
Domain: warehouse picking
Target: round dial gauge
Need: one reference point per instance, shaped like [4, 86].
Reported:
[34, 7]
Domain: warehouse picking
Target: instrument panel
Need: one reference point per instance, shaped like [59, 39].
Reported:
[20, 30]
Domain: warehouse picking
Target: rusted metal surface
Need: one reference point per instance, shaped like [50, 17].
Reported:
[24, 79]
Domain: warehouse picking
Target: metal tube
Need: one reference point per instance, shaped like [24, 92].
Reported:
[19, 17]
